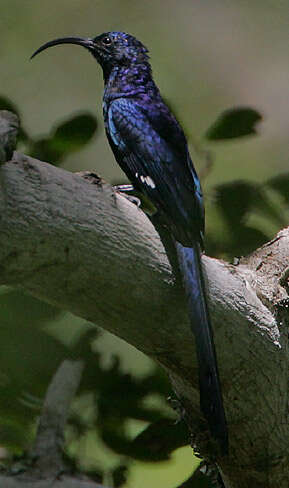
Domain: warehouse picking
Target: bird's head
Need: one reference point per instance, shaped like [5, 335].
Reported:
[110, 49]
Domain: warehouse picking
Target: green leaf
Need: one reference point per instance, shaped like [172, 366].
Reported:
[235, 199]
[245, 239]
[160, 439]
[68, 137]
[233, 123]
[280, 184]
[44, 150]
[155, 443]
[75, 133]
[119, 475]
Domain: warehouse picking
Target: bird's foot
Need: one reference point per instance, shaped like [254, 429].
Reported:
[124, 190]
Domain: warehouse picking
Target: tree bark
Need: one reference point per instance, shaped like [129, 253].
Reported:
[87, 249]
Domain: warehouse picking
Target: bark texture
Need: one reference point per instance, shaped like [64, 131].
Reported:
[87, 249]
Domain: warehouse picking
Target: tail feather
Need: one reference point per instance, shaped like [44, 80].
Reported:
[210, 389]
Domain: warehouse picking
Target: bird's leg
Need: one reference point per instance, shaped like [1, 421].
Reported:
[124, 190]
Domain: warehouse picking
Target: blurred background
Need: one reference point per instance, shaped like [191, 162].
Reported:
[208, 58]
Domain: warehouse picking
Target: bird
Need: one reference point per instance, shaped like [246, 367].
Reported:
[150, 146]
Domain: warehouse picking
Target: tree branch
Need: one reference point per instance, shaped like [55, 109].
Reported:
[87, 249]
[47, 452]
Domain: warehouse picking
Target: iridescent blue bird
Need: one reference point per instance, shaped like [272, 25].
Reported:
[150, 146]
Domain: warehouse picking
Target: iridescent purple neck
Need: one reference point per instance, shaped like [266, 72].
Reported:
[128, 81]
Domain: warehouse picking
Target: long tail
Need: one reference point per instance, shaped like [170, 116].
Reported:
[210, 389]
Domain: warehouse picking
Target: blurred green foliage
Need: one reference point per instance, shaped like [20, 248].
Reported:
[35, 337]
[233, 123]
[64, 139]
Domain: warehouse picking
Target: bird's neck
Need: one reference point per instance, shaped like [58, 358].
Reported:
[127, 81]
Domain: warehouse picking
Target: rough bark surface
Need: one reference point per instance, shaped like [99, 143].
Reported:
[87, 249]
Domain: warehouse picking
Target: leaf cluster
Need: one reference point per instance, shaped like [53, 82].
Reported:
[65, 138]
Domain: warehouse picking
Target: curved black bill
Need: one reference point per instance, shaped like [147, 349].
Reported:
[81, 41]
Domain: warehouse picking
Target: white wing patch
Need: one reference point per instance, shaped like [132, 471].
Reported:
[147, 180]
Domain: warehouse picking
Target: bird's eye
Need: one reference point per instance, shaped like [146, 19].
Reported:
[106, 40]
